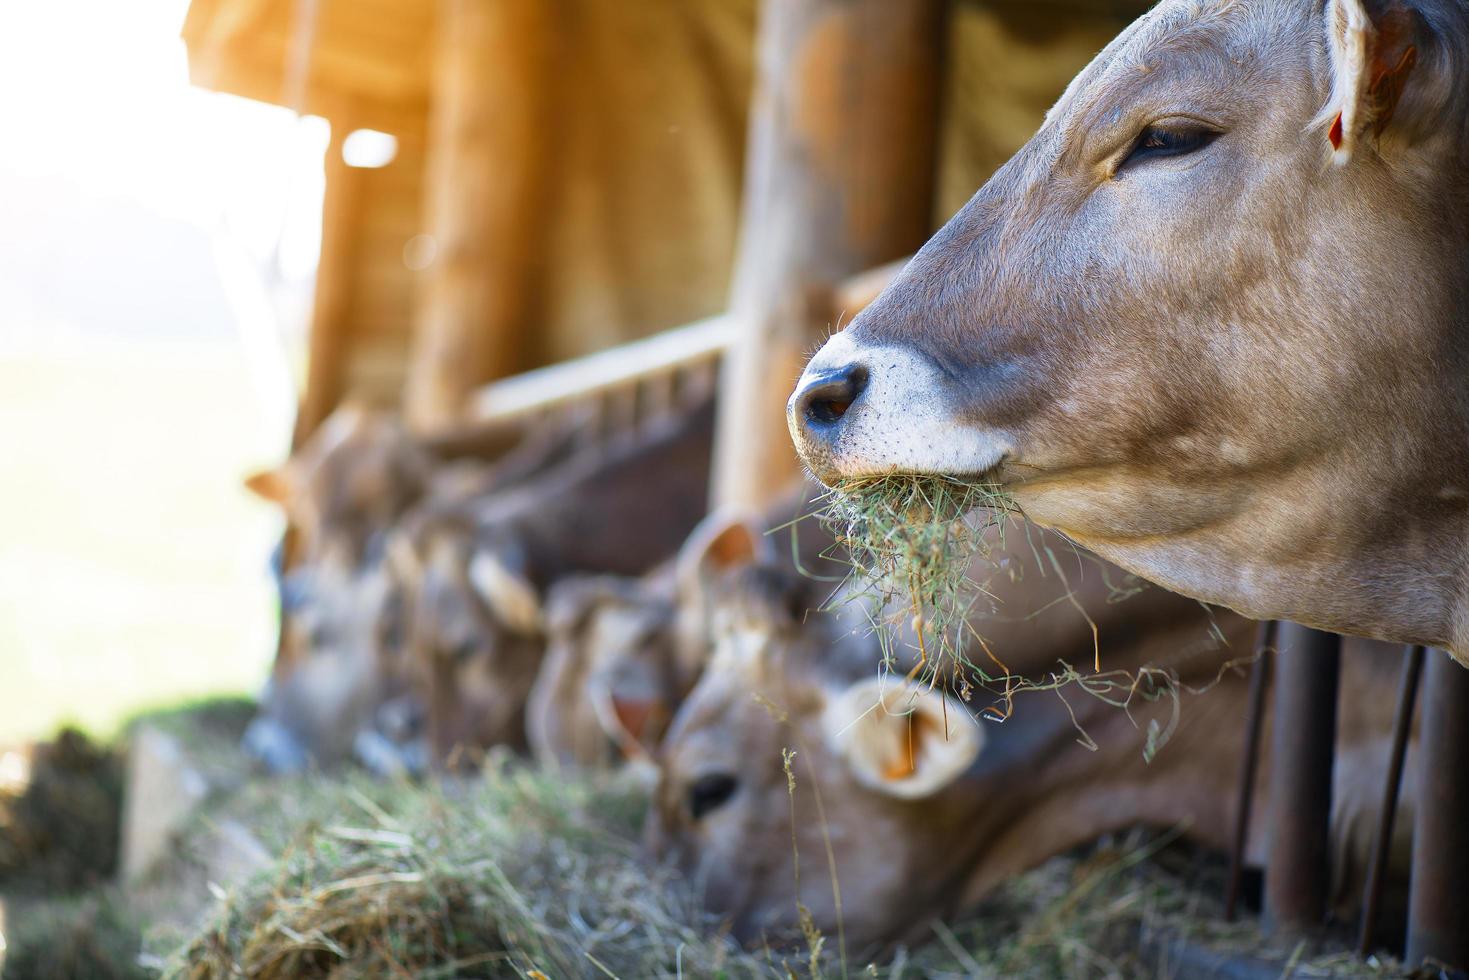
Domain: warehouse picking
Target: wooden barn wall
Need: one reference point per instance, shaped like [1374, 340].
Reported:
[1008, 64]
[652, 106]
[370, 54]
[649, 124]
[384, 288]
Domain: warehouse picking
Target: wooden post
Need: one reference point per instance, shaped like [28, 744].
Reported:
[1438, 915]
[330, 327]
[1303, 750]
[839, 177]
[488, 138]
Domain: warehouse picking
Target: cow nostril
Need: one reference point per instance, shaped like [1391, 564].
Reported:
[711, 792]
[827, 399]
[829, 409]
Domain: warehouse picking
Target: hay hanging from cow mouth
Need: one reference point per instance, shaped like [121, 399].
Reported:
[911, 541]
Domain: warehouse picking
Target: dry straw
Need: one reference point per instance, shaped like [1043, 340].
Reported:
[919, 548]
[911, 542]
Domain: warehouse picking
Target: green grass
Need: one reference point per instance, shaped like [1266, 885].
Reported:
[131, 562]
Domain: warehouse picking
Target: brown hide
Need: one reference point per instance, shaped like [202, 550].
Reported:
[1209, 321]
[477, 571]
[351, 480]
[341, 656]
[612, 673]
[623, 653]
[723, 811]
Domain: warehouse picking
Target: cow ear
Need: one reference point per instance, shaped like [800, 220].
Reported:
[402, 556]
[571, 602]
[273, 485]
[907, 741]
[507, 592]
[632, 717]
[722, 542]
[1374, 47]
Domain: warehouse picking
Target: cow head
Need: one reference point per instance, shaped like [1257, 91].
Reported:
[785, 677]
[622, 653]
[474, 632]
[351, 480]
[1207, 321]
[922, 806]
[338, 665]
[609, 683]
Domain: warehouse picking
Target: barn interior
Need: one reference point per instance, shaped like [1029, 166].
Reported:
[558, 241]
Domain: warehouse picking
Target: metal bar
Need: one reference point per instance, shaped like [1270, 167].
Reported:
[1438, 914]
[1303, 745]
[1402, 726]
[1249, 764]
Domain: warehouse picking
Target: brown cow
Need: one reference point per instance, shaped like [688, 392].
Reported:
[326, 695]
[1209, 321]
[475, 572]
[352, 479]
[622, 653]
[339, 681]
[925, 808]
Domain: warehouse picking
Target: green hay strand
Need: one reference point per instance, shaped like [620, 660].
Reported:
[911, 541]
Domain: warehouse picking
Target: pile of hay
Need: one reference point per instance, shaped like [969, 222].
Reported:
[509, 874]
[526, 875]
[911, 542]
[59, 824]
[95, 936]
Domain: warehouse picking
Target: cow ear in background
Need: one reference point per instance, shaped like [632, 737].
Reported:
[513, 600]
[900, 740]
[1373, 50]
[571, 602]
[402, 556]
[273, 485]
[722, 542]
[633, 718]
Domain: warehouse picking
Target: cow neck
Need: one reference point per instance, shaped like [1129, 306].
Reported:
[1034, 792]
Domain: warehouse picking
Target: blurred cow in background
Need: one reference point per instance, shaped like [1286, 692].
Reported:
[339, 684]
[926, 809]
[475, 572]
[623, 653]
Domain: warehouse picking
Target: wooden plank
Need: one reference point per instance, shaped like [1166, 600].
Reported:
[331, 325]
[595, 375]
[652, 363]
[486, 180]
[374, 55]
[840, 177]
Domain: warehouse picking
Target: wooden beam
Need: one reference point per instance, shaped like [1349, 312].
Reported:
[839, 178]
[486, 178]
[606, 371]
[650, 363]
[330, 324]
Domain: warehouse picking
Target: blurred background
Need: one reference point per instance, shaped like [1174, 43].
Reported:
[391, 429]
[158, 250]
[164, 329]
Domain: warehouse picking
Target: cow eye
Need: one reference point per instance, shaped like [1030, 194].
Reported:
[1169, 140]
[711, 792]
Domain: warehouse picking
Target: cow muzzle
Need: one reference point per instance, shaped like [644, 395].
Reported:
[862, 411]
